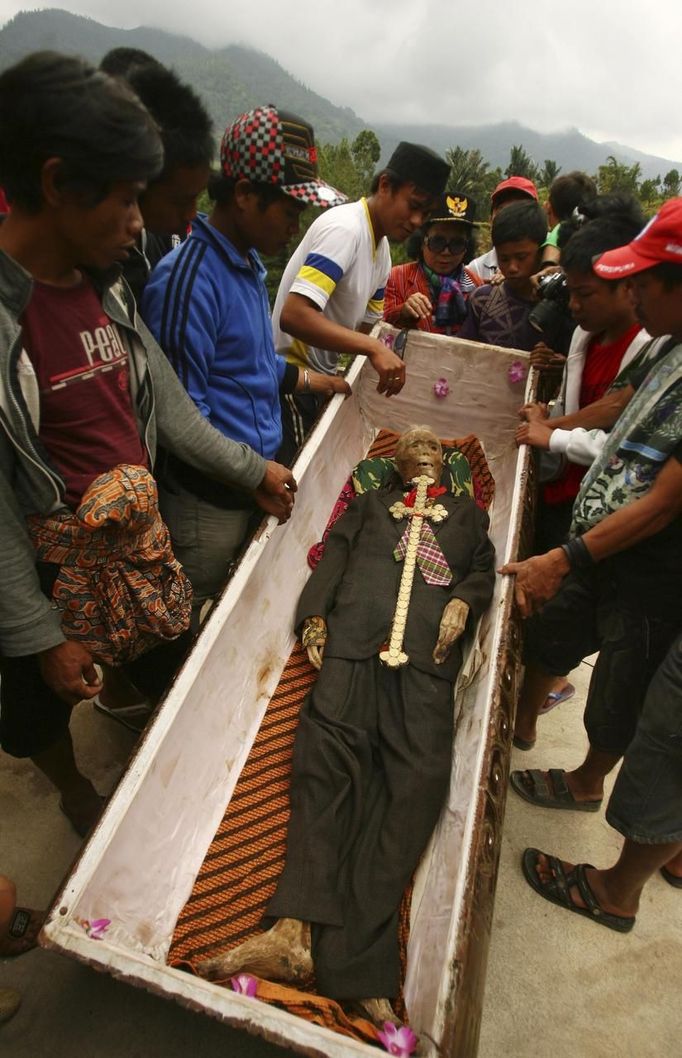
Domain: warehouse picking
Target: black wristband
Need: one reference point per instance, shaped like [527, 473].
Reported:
[290, 379]
[578, 554]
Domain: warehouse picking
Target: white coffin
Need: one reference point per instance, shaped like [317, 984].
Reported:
[139, 866]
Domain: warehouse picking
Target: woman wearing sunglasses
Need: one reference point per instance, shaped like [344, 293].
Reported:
[431, 292]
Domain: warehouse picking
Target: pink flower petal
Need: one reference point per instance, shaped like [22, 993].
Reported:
[97, 928]
[441, 388]
[244, 984]
[398, 1041]
[516, 372]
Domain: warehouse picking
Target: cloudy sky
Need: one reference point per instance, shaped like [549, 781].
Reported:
[608, 67]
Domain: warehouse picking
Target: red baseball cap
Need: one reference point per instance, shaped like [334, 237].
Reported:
[515, 183]
[660, 240]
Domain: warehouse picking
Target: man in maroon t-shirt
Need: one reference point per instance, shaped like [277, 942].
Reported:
[82, 389]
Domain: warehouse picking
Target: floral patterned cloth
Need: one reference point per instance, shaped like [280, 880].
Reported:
[120, 589]
[644, 437]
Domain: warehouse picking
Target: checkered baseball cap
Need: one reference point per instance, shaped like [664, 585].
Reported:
[271, 146]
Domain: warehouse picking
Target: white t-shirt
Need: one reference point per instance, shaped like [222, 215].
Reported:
[339, 266]
[485, 266]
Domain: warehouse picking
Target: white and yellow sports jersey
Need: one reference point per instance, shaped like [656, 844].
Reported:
[339, 266]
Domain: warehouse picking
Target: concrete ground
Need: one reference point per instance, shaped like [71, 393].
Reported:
[557, 984]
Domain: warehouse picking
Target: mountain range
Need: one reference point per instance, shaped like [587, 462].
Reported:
[235, 78]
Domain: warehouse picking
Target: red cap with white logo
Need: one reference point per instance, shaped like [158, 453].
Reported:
[660, 240]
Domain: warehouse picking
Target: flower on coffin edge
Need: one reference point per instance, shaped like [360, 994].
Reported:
[516, 371]
[441, 388]
[388, 340]
[401, 1042]
[244, 984]
[97, 928]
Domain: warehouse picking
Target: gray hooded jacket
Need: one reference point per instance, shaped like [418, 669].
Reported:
[29, 484]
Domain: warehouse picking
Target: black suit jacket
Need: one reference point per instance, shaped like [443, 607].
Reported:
[355, 585]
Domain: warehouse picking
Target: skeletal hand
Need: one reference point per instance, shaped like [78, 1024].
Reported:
[314, 637]
[452, 624]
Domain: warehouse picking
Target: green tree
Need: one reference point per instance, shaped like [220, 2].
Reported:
[548, 173]
[671, 184]
[521, 164]
[365, 151]
[617, 176]
[650, 192]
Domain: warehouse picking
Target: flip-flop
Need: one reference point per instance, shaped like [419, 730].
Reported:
[671, 879]
[541, 793]
[22, 934]
[557, 890]
[555, 698]
[523, 743]
[133, 717]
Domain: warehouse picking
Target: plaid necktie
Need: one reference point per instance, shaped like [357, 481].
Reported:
[430, 558]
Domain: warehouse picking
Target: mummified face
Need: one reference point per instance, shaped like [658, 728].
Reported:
[419, 452]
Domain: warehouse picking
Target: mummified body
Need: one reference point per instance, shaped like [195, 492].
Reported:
[405, 570]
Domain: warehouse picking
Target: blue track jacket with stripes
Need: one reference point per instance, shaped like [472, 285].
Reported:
[208, 309]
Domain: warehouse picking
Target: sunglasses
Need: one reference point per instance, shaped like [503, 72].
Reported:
[438, 243]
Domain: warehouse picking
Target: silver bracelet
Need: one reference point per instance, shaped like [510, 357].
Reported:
[306, 380]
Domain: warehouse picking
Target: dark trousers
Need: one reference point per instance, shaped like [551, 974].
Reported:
[33, 718]
[299, 414]
[371, 768]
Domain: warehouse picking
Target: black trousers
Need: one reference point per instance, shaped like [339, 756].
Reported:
[371, 768]
[33, 717]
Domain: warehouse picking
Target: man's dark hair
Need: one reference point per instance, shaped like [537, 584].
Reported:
[120, 62]
[614, 221]
[395, 182]
[669, 273]
[221, 190]
[186, 128]
[520, 220]
[54, 106]
[568, 191]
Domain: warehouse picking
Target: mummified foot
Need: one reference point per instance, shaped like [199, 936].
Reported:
[376, 1010]
[281, 954]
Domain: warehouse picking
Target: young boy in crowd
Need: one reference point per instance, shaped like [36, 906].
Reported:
[332, 290]
[513, 189]
[169, 202]
[498, 313]
[84, 387]
[207, 304]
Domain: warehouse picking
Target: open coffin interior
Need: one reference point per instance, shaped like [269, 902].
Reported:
[140, 865]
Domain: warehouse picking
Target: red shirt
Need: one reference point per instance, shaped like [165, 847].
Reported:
[602, 363]
[87, 423]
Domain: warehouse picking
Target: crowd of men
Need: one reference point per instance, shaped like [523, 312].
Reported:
[147, 390]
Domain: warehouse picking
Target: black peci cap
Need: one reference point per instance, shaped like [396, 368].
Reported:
[421, 166]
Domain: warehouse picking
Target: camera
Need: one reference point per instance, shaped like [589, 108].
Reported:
[552, 316]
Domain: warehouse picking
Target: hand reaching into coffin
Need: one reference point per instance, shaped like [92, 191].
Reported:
[452, 624]
[314, 637]
[275, 494]
[533, 433]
